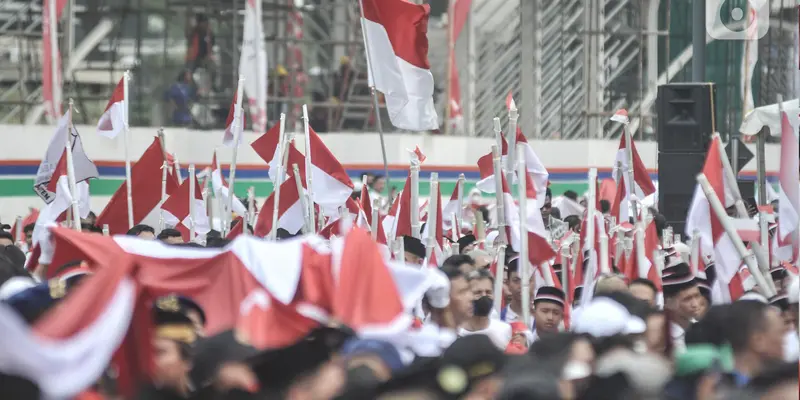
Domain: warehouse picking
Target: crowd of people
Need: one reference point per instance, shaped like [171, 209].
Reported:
[629, 341]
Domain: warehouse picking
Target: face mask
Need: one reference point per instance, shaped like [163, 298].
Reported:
[483, 306]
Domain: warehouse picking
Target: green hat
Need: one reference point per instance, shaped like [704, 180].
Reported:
[701, 357]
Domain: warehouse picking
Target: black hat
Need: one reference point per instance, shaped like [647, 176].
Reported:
[14, 254]
[172, 321]
[465, 241]
[467, 361]
[704, 286]
[414, 246]
[33, 302]
[679, 279]
[277, 369]
[781, 301]
[778, 272]
[281, 234]
[577, 292]
[550, 294]
[211, 352]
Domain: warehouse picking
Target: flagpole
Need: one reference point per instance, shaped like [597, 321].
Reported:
[283, 154]
[178, 173]
[511, 137]
[308, 223]
[590, 228]
[374, 222]
[55, 87]
[238, 126]
[73, 187]
[248, 218]
[499, 207]
[719, 210]
[433, 205]
[523, 262]
[414, 211]
[309, 173]
[106, 231]
[499, 276]
[448, 110]
[460, 213]
[630, 174]
[18, 230]
[207, 198]
[127, 138]
[375, 106]
[164, 172]
[192, 190]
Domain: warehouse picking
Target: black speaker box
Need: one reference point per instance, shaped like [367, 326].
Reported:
[685, 117]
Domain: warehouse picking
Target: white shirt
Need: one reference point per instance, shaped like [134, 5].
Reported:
[678, 334]
[498, 331]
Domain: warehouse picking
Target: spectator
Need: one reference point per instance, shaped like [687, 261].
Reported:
[755, 331]
[142, 231]
[28, 231]
[574, 223]
[180, 96]
[170, 236]
[6, 239]
[200, 42]
[644, 289]
[482, 286]
[461, 261]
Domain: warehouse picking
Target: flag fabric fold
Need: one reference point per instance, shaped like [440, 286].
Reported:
[84, 167]
[395, 37]
[331, 186]
[178, 210]
[220, 187]
[290, 211]
[642, 184]
[112, 122]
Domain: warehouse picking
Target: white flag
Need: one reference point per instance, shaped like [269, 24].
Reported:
[84, 167]
[253, 65]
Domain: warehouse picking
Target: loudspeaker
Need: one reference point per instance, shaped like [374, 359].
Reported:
[685, 117]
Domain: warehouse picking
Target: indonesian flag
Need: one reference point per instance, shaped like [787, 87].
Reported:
[395, 37]
[366, 208]
[536, 170]
[789, 182]
[398, 222]
[112, 122]
[290, 211]
[643, 265]
[338, 226]
[539, 250]
[178, 210]
[84, 167]
[451, 208]
[437, 254]
[642, 184]
[221, 189]
[33, 215]
[230, 129]
[713, 238]
[145, 191]
[237, 228]
[486, 168]
[331, 187]
[588, 267]
[266, 146]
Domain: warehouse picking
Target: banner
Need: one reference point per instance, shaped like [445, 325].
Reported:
[51, 91]
[253, 65]
[84, 167]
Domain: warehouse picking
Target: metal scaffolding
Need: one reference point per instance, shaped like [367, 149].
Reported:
[314, 52]
[571, 64]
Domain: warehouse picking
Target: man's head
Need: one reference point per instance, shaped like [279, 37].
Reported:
[755, 328]
[174, 336]
[514, 280]
[644, 289]
[28, 231]
[461, 261]
[142, 231]
[548, 309]
[481, 283]
[482, 259]
[466, 243]
[461, 306]
[378, 183]
[414, 250]
[6, 239]
[681, 295]
[574, 223]
[610, 284]
[170, 236]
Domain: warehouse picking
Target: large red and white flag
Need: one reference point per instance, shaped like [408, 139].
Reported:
[221, 189]
[145, 191]
[181, 211]
[395, 36]
[486, 168]
[266, 146]
[290, 211]
[253, 64]
[451, 208]
[713, 238]
[642, 184]
[330, 187]
[536, 170]
[84, 167]
[112, 122]
[789, 182]
[51, 80]
[398, 222]
[539, 249]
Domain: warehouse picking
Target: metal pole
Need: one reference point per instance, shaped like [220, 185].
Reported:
[56, 83]
[433, 209]
[698, 41]
[283, 152]
[238, 126]
[127, 138]
[192, 190]
[761, 149]
[309, 173]
[471, 70]
[73, 187]
[414, 191]
[523, 262]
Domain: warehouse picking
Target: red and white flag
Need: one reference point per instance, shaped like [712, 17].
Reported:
[366, 208]
[539, 249]
[221, 189]
[331, 187]
[253, 64]
[536, 170]
[486, 168]
[437, 253]
[398, 222]
[232, 129]
[290, 211]
[112, 122]
[266, 146]
[395, 36]
[51, 80]
[145, 191]
[713, 238]
[451, 208]
[642, 184]
[181, 210]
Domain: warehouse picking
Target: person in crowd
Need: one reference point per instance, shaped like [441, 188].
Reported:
[6, 239]
[414, 250]
[573, 223]
[698, 372]
[605, 207]
[142, 232]
[463, 262]
[467, 243]
[777, 382]
[609, 283]
[27, 230]
[483, 260]
[179, 97]
[513, 311]
[755, 331]
[682, 300]
[548, 311]
[200, 40]
[644, 289]
[461, 307]
[482, 286]
[576, 296]
[170, 236]
[569, 356]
